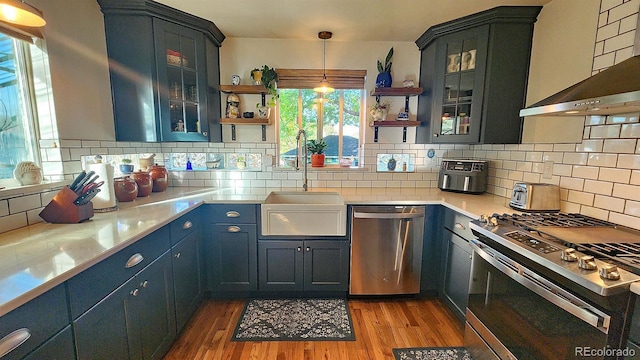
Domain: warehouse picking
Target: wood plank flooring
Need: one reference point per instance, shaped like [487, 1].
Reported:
[379, 326]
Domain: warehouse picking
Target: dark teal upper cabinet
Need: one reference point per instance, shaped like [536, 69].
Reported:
[164, 69]
[474, 73]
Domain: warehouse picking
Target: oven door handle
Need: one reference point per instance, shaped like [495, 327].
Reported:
[543, 287]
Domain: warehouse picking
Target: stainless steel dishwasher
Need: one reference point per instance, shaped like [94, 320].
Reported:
[386, 249]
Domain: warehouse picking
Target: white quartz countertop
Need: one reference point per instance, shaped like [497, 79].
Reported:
[37, 258]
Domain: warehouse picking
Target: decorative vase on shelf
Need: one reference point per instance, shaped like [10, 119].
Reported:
[263, 111]
[454, 63]
[384, 79]
[391, 164]
[472, 59]
[379, 113]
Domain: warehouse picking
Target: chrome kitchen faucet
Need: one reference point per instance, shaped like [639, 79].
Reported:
[304, 160]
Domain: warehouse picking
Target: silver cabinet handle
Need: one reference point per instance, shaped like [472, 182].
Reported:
[308, 249]
[144, 284]
[13, 340]
[177, 256]
[187, 225]
[233, 229]
[134, 260]
[299, 248]
[366, 215]
[459, 226]
[233, 214]
[134, 292]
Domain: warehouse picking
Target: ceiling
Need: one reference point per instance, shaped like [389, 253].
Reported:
[349, 20]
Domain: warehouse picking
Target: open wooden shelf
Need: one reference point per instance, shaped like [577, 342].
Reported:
[396, 91]
[244, 121]
[396, 123]
[243, 89]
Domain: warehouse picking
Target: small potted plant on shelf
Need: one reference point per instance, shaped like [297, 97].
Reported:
[384, 76]
[126, 167]
[269, 80]
[379, 111]
[256, 76]
[317, 148]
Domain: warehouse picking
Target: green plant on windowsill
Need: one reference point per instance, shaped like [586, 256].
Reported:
[316, 147]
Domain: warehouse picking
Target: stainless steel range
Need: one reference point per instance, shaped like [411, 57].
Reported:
[551, 286]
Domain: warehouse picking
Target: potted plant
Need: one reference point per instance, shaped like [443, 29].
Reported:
[269, 80]
[379, 111]
[256, 76]
[384, 76]
[126, 167]
[316, 148]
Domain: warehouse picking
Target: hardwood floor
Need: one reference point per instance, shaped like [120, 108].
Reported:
[379, 326]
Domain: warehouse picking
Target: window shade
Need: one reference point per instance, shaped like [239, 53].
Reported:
[309, 78]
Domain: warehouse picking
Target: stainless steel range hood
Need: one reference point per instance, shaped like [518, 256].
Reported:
[612, 91]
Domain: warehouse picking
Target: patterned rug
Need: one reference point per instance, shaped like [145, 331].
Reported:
[433, 353]
[295, 319]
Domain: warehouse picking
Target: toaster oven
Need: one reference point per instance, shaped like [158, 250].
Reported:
[463, 175]
[535, 197]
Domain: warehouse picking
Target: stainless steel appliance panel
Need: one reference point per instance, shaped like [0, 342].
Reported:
[386, 249]
[532, 317]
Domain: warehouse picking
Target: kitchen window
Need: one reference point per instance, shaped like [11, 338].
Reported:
[18, 114]
[336, 117]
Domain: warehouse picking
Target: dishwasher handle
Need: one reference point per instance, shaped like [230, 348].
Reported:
[380, 215]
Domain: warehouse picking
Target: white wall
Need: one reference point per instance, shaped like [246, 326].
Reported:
[562, 55]
[79, 70]
[240, 56]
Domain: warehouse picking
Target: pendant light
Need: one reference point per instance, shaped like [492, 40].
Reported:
[18, 12]
[324, 86]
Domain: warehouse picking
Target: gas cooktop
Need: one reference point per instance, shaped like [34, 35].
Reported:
[597, 254]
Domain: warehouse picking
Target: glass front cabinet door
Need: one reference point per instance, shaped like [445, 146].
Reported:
[458, 87]
[180, 57]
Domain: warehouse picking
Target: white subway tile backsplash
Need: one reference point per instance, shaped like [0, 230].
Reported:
[635, 177]
[599, 159]
[629, 161]
[625, 146]
[590, 146]
[606, 5]
[562, 170]
[585, 172]
[614, 175]
[630, 131]
[24, 203]
[12, 222]
[623, 10]
[598, 187]
[632, 208]
[575, 158]
[607, 31]
[571, 183]
[605, 131]
[580, 197]
[622, 219]
[4, 208]
[627, 191]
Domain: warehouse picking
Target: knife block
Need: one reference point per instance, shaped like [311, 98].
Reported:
[62, 210]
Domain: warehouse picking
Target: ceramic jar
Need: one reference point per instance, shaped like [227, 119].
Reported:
[144, 181]
[126, 189]
[27, 173]
[160, 177]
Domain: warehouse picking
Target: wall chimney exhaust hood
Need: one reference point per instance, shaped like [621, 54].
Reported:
[609, 92]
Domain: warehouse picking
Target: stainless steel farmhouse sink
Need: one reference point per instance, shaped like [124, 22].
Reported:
[304, 213]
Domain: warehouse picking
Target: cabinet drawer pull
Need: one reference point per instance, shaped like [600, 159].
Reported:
[187, 225]
[460, 226]
[144, 284]
[299, 249]
[233, 229]
[13, 340]
[233, 214]
[177, 256]
[308, 249]
[134, 260]
[134, 292]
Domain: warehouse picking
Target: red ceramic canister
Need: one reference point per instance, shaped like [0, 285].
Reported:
[144, 181]
[160, 177]
[126, 189]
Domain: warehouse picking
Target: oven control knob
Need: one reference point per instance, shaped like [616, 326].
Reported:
[587, 262]
[569, 255]
[493, 221]
[609, 272]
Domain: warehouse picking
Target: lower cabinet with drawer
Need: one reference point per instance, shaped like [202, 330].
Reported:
[231, 248]
[136, 321]
[40, 326]
[456, 262]
[130, 318]
[303, 265]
